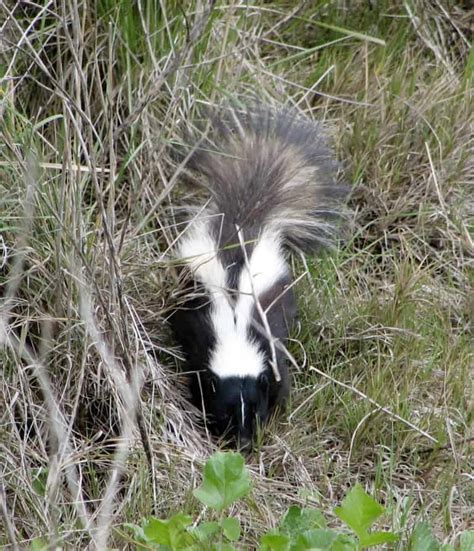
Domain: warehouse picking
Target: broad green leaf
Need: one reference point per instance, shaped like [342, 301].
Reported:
[324, 539]
[344, 543]
[466, 541]
[359, 511]
[298, 520]
[315, 539]
[206, 529]
[46, 120]
[422, 539]
[377, 538]
[274, 542]
[225, 480]
[172, 532]
[231, 528]
[349, 32]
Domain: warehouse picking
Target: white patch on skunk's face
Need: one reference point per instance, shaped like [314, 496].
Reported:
[235, 354]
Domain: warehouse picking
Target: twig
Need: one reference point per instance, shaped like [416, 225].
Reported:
[447, 446]
[7, 520]
[373, 402]
[59, 166]
[128, 392]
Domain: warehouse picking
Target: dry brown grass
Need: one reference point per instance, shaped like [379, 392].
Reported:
[91, 97]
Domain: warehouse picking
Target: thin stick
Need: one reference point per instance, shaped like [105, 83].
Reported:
[7, 519]
[72, 167]
[127, 388]
[373, 402]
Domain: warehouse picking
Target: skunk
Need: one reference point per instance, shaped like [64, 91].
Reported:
[272, 182]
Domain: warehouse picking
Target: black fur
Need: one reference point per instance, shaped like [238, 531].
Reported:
[192, 328]
[225, 403]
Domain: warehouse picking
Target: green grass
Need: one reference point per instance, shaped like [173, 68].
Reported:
[91, 98]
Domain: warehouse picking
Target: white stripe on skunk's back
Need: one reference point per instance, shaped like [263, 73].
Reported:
[267, 266]
[235, 353]
[199, 250]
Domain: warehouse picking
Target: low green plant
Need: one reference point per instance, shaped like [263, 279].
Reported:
[226, 479]
[422, 539]
[307, 528]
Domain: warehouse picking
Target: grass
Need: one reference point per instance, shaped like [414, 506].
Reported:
[91, 97]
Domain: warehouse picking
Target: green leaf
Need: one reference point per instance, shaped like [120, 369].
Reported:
[45, 121]
[466, 541]
[344, 543]
[358, 510]
[231, 528]
[172, 532]
[422, 539]
[274, 542]
[225, 480]
[298, 520]
[376, 538]
[324, 539]
[315, 539]
[40, 480]
[206, 529]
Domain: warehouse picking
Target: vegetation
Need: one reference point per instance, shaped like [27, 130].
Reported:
[226, 480]
[95, 429]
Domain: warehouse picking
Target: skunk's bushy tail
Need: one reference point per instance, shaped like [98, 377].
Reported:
[271, 169]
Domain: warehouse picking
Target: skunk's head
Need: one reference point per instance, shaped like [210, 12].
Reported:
[241, 389]
[237, 406]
